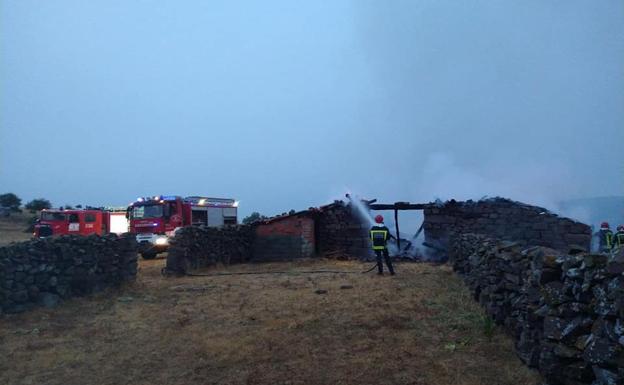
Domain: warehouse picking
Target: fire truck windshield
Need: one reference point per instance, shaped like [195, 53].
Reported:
[51, 216]
[147, 211]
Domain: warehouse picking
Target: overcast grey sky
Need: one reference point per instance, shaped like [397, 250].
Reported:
[290, 104]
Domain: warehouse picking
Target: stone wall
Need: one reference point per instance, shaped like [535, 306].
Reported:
[503, 219]
[341, 234]
[45, 271]
[201, 246]
[565, 312]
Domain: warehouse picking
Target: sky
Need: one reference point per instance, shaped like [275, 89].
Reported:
[286, 105]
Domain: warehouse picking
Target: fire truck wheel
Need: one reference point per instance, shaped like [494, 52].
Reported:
[148, 255]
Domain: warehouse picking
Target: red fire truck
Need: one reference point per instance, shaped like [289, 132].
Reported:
[81, 222]
[155, 219]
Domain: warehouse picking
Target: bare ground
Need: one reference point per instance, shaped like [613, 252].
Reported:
[419, 327]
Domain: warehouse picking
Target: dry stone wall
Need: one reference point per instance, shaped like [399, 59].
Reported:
[45, 271]
[341, 234]
[565, 311]
[503, 219]
[201, 246]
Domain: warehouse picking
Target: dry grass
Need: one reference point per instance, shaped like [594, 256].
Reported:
[12, 228]
[419, 327]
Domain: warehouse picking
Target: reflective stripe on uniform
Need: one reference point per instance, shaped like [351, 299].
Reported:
[609, 239]
[378, 235]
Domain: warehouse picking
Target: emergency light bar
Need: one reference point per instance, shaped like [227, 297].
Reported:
[205, 201]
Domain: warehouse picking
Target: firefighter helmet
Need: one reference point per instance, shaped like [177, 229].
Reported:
[604, 225]
[620, 228]
[379, 219]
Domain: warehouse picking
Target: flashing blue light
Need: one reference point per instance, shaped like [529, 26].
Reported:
[168, 197]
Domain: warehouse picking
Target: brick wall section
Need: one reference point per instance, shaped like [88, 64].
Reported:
[45, 271]
[565, 312]
[340, 234]
[284, 239]
[504, 219]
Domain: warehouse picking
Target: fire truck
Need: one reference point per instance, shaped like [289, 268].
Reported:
[154, 220]
[81, 222]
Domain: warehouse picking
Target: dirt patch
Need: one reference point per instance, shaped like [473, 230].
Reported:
[419, 327]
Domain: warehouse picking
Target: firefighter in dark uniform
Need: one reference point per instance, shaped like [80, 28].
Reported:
[379, 235]
[618, 238]
[605, 238]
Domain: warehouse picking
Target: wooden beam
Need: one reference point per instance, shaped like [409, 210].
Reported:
[396, 223]
[401, 206]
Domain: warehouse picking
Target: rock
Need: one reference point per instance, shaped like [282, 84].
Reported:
[346, 287]
[320, 291]
[605, 376]
[566, 352]
[599, 351]
[19, 296]
[583, 341]
[48, 300]
[558, 328]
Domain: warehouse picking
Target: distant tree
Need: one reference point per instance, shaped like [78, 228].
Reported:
[78, 206]
[11, 201]
[253, 217]
[38, 204]
[68, 207]
[292, 212]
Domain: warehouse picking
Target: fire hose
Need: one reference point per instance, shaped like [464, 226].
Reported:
[165, 272]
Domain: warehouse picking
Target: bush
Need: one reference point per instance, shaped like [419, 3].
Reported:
[253, 217]
[11, 201]
[38, 205]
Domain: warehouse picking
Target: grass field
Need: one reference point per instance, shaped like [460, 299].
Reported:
[12, 228]
[419, 327]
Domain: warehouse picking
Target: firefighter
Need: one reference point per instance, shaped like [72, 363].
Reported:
[605, 237]
[379, 235]
[618, 238]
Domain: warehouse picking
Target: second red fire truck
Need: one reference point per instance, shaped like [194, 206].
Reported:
[81, 222]
[155, 219]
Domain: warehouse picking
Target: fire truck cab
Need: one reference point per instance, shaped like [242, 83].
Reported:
[154, 220]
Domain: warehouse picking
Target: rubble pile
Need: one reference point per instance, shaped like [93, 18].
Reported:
[565, 310]
[341, 234]
[201, 246]
[504, 219]
[45, 271]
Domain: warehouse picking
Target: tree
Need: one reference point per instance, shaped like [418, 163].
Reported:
[253, 217]
[38, 204]
[11, 201]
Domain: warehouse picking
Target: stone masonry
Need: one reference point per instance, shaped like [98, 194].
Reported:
[565, 311]
[503, 219]
[201, 246]
[341, 234]
[45, 271]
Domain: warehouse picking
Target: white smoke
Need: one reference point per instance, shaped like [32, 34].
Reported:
[442, 177]
[362, 211]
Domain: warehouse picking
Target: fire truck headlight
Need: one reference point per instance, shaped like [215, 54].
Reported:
[162, 241]
[235, 204]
